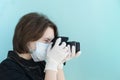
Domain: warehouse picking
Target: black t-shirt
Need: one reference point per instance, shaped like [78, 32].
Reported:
[17, 68]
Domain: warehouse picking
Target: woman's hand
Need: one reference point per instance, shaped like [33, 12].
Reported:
[56, 55]
[71, 54]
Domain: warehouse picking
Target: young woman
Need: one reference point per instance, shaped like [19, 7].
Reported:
[32, 57]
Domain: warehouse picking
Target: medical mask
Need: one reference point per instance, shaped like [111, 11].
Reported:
[39, 54]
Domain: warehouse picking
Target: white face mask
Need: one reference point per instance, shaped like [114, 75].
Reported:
[39, 54]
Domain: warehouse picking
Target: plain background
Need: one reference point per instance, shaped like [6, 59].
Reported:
[94, 23]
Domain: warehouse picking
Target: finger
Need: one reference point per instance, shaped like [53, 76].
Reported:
[69, 49]
[73, 51]
[67, 58]
[78, 54]
[58, 42]
[63, 45]
[66, 49]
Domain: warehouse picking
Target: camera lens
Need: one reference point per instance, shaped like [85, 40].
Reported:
[77, 46]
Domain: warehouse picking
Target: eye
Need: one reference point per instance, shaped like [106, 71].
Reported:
[47, 40]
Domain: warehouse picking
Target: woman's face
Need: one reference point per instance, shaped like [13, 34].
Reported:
[46, 38]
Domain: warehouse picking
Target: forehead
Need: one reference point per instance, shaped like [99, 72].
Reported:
[49, 33]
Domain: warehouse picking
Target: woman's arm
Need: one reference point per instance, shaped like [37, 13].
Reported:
[50, 75]
[55, 75]
[60, 74]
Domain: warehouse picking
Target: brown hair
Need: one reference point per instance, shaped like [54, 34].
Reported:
[31, 27]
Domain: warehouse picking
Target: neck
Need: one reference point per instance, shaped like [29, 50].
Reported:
[26, 56]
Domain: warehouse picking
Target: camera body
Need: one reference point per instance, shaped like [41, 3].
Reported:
[71, 43]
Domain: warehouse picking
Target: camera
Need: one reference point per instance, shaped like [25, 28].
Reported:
[71, 43]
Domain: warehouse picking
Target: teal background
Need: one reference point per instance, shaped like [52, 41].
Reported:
[95, 23]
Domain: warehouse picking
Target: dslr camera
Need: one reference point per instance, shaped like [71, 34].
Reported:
[71, 43]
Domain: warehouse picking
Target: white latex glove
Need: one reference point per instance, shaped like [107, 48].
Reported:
[56, 55]
[71, 54]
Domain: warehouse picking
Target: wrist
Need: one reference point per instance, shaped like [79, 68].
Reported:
[51, 65]
[60, 66]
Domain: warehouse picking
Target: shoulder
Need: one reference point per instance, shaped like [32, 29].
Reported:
[9, 70]
[8, 64]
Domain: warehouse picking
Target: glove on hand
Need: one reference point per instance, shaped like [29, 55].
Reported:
[71, 54]
[56, 55]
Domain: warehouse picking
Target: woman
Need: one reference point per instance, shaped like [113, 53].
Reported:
[32, 57]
